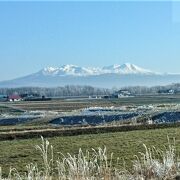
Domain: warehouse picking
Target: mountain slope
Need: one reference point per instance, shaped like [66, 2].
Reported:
[73, 70]
[108, 77]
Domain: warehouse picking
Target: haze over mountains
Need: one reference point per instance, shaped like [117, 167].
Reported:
[107, 77]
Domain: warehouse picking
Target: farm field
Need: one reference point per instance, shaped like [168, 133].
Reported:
[80, 111]
[78, 103]
[19, 137]
[64, 114]
[18, 153]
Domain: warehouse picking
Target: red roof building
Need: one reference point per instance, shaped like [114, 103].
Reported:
[14, 97]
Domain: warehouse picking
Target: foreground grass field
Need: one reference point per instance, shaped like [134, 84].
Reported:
[19, 153]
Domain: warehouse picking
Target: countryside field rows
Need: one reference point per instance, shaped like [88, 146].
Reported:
[124, 138]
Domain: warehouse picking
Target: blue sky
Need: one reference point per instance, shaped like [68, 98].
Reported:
[34, 35]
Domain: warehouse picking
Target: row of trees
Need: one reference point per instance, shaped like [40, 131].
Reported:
[58, 91]
[153, 90]
[72, 90]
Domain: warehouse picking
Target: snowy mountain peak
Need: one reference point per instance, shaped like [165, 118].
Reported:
[49, 69]
[116, 75]
[126, 68]
[131, 68]
[73, 70]
[68, 69]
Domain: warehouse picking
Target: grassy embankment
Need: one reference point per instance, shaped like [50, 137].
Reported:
[125, 145]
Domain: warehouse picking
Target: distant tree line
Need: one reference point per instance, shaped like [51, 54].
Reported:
[69, 90]
[152, 90]
[72, 90]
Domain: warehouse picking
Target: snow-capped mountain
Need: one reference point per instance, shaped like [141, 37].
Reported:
[107, 77]
[66, 70]
[74, 70]
[126, 68]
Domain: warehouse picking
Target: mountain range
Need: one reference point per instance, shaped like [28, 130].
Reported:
[107, 77]
[73, 70]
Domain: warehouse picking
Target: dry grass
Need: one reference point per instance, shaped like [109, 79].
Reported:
[153, 164]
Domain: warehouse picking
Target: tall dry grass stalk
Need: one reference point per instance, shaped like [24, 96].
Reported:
[157, 164]
[153, 164]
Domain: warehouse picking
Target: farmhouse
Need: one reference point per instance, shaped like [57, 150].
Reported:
[14, 97]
